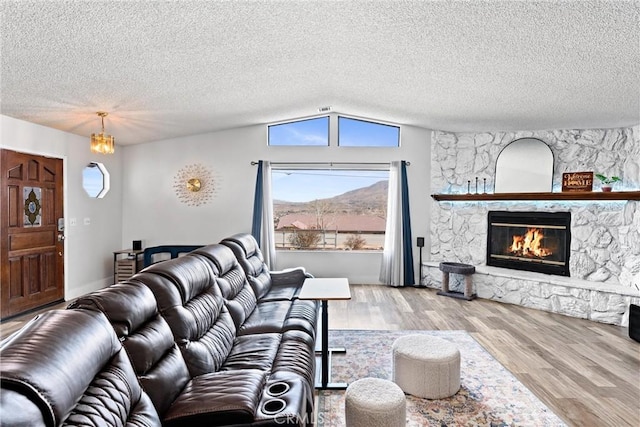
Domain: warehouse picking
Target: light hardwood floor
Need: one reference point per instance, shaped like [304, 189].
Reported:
[9, 326]
[588, 373]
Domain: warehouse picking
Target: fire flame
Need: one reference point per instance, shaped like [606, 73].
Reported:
[530, 244]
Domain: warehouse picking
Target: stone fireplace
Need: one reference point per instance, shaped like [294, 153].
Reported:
[530, 241]
[603, 258]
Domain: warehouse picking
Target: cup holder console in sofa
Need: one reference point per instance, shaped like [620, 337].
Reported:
[273, 406]
[185, 342]
[277, 389]
[283, 398]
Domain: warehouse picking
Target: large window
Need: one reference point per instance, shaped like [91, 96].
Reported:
[363, 133]
[330, 209]
[310, 132]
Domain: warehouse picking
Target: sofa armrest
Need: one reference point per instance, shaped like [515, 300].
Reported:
[290, 276]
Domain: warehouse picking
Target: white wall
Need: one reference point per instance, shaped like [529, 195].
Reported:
[152, 212]
[88, 248]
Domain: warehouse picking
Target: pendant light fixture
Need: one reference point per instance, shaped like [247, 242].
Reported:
[102, 143]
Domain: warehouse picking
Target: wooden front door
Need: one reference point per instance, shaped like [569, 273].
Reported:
[31, 250]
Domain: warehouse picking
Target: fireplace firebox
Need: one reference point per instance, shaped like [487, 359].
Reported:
[532, 241]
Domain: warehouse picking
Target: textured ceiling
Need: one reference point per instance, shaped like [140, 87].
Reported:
[165, 69]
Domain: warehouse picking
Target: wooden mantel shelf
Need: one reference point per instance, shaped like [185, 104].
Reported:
[568, 196]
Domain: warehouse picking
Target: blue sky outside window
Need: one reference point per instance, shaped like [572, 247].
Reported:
[362, 133]
[312, 184]
[311, 132]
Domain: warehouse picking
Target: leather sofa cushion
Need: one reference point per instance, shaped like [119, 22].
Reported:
[165, 380]
[241, 300]
[158, 363]
[253, 352]
[281, 316]
[268, 317]
[110, 401]
[247, 252]
[267, 285]
[277, 293]
[232, 281]
[218, 399]
[71, 364]
[127, 306]
[202, 326]
[303, 316]
[190, 275]
[296, 354]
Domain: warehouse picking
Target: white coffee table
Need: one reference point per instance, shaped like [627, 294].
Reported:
[324, 290]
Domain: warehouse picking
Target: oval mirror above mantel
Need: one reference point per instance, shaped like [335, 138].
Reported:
[525, 165]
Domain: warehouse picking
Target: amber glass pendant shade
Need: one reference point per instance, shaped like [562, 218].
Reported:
[102, 142]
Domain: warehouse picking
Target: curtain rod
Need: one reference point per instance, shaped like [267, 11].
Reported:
[253, 163]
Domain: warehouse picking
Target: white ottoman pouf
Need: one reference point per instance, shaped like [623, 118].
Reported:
[426, 366]
[374, 402]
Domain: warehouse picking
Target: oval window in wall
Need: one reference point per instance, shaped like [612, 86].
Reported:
[95, 180]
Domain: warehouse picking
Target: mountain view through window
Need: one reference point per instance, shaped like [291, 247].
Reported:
[329, 209]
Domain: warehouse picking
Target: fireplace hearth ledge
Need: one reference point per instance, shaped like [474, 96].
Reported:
[597, 301]
[558, 280]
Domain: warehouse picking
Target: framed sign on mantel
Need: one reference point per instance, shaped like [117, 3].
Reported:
[577, 181]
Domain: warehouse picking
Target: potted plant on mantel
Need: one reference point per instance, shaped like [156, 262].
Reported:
[606, 181]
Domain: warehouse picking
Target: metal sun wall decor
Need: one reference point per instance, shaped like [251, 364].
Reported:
[194, 185]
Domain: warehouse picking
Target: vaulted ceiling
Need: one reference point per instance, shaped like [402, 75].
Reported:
[166, 69]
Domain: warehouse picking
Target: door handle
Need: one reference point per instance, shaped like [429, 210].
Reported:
[61, 237]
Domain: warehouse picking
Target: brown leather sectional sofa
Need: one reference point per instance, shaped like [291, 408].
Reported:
[211, 338]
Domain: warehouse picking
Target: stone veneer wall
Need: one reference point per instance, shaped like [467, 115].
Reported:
[605, 245]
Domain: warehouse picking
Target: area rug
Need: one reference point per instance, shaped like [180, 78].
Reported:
[489, 394]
